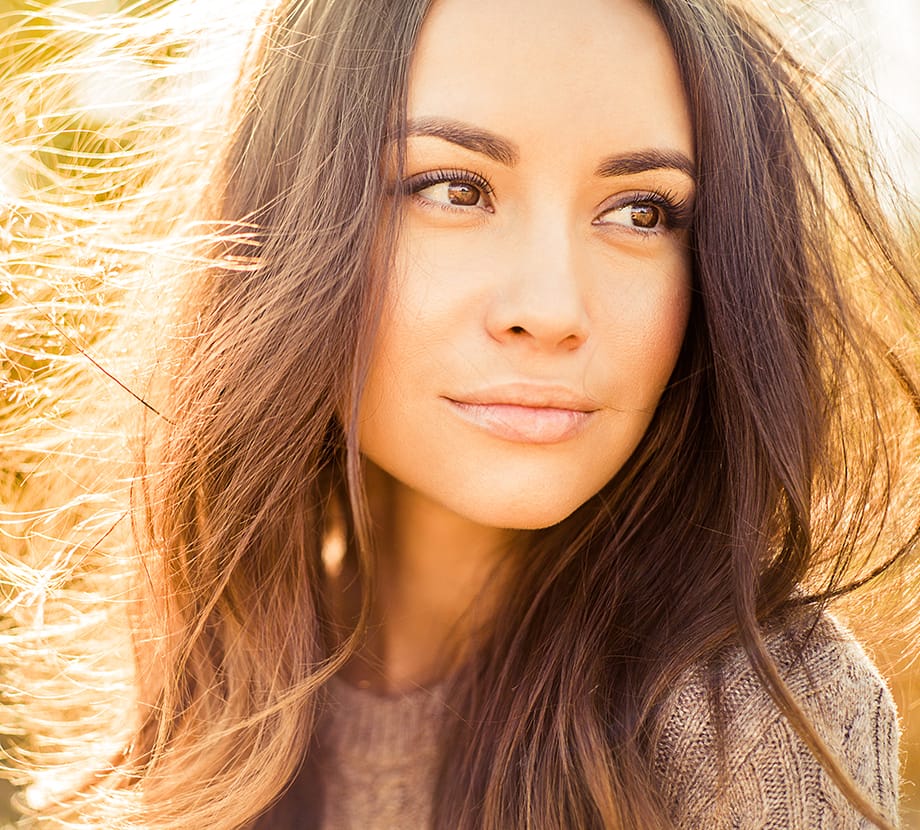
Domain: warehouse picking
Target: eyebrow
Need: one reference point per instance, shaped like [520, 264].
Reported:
[628, 164]
[456, 132]
[505, 152]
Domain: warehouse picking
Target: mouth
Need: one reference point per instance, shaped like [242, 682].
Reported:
[526, 415]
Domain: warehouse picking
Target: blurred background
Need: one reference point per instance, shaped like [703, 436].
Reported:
[874, 44]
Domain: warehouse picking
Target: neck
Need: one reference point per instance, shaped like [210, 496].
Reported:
[433, 588]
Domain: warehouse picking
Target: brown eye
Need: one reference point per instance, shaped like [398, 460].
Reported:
[463, 194]
[453, 189]
[639, 214]
[645, 216]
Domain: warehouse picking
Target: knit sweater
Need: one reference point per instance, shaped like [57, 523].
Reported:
[380, 752]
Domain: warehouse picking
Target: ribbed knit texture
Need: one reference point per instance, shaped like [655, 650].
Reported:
[378, 758]
[380, 753]
[770, 780]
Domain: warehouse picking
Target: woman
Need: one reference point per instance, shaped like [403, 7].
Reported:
[519, 429]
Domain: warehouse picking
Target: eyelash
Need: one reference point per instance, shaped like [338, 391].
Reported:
[677, 212]
[441, 175]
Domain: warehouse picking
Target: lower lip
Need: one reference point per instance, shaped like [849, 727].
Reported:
[524, 424]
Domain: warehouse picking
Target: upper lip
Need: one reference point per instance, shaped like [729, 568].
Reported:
[538, 396]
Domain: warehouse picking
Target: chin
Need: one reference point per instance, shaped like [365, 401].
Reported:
[520, 511]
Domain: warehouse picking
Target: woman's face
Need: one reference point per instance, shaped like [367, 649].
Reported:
[542, 283]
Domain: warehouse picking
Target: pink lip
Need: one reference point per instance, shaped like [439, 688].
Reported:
[526, 414]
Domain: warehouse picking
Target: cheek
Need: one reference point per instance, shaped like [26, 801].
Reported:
[664, 333]
[401, 351]
[641, 323]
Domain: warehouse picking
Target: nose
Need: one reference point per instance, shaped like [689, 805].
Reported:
[538, 297]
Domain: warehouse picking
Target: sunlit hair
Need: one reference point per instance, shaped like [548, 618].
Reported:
[779, 471]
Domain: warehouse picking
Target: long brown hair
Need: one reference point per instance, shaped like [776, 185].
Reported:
[766, 478]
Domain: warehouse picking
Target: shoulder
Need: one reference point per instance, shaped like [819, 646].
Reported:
[748, 768]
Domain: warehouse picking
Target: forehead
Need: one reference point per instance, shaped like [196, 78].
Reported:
[535, 70]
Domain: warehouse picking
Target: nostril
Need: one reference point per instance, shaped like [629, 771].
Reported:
[517, 330]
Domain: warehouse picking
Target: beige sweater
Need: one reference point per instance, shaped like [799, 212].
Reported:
[380, 752]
